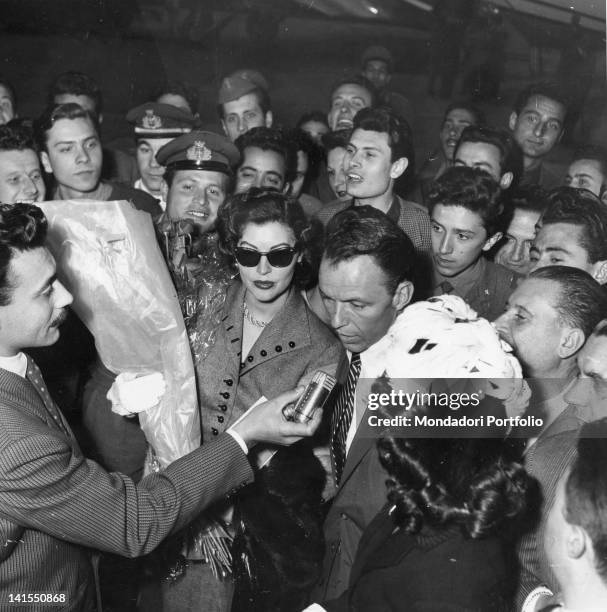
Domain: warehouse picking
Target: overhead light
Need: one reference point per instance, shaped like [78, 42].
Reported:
[373, 10]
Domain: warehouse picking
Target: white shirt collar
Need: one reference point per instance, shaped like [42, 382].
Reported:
[16, 364]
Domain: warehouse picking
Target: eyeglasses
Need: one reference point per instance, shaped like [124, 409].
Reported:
[280, 258]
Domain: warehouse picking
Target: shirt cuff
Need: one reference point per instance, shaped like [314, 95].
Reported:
[239, 440]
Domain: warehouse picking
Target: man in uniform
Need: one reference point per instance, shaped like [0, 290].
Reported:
[244, 103]
[155, 125]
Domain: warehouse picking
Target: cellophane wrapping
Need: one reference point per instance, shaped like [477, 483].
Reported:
[108, 257]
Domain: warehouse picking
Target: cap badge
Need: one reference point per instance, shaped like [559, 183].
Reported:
[199, 152]
[151, 121]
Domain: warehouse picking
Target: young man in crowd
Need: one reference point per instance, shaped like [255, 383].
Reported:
[492, 150]
[243, 103]
[268, 160]
[527, 205]
[335, 145]
[155, 125]
[8, 102]
[466, 211]
[377, 65]
[458, 116]
[68, 138]
[80, 88]
[537, 123]
[378, 153]
[20, 174]
[573, 232]
[588, 170]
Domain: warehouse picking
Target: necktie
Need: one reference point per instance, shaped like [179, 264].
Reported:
[34, 375]
[342, 417]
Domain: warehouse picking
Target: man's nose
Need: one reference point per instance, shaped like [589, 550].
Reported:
[30, 189]
[446, 245]
[519, 252]
[539, 129]
[502, 326]
[63, 297]
[82, 155]
[338, 316]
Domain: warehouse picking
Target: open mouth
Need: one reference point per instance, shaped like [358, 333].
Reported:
[264, 284]
[344, 124]
[354, 178]
[198, 214]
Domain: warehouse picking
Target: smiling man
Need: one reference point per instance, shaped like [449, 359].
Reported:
[20, 173]
[573, 233]
[588, 170]
[198, 171]
[349, 96]
[466, 213]
[537, 124]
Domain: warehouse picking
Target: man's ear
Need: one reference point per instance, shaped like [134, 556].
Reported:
[269, 119]
[402, 295]
[506, 180]
[490, 242]
[225, 129]
[575, 542]
[287, 188]
[398, 167]
[100, 118]
[599, 272]
[46, 162]
[512, 120]
[572, 340]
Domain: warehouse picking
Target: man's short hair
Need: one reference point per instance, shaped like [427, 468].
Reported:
[528, 197]
[601, 329]
[473, 189]
[586, 490]
[270, 139]
[511, 155]
[16, 138]
[582, 301]
[386, 121]
[338, 139]
[60, 111]
[179, 88]
[364, 230]
[263, 99]
[76, 84]
[22, 228]
[477, 113]
[583, 209]
[356, 79]
[592, 152]
[546, 89]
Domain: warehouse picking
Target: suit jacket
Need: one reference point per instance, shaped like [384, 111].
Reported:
[55, 504]
[290, 348]
[547, 460]
[360, 496]
[432, 571]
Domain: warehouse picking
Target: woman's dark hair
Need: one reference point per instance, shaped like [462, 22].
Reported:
[441, 482]
[261, 206]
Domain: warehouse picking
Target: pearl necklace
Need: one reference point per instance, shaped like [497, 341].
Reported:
[251, 319]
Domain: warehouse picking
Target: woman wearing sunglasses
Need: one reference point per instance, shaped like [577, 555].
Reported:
[267, 342]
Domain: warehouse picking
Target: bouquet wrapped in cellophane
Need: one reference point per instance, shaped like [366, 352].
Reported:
[108, 257]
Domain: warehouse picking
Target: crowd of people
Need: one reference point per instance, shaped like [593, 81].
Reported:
[311, 244]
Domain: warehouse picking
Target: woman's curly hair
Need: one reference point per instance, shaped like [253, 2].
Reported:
[261, 206]
[470, 482]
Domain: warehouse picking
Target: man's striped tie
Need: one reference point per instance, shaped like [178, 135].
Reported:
[342, 417]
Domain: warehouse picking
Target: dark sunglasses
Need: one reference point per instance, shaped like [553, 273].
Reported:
[280, 258]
